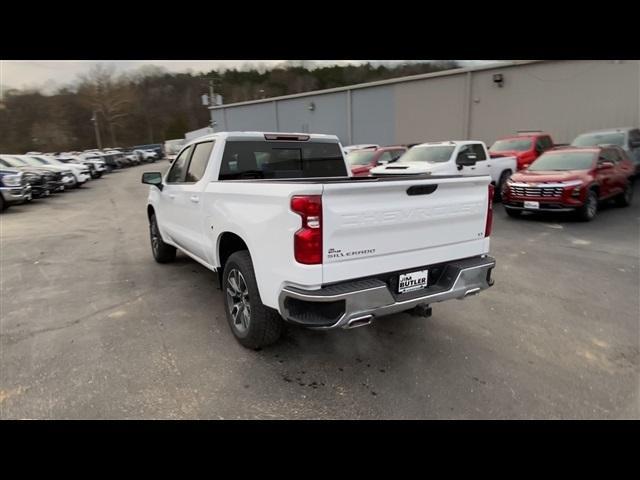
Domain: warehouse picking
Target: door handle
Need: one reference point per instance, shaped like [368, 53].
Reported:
[194, 198]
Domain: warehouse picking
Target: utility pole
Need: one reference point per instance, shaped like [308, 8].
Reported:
[94, 119]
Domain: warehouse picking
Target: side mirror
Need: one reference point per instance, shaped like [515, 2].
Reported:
[605, 165]
[152, 178]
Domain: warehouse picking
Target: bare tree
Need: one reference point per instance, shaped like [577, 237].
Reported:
[107, 96]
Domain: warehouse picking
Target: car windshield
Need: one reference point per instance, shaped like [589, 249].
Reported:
[560, 161]
[430, 154]
[14, 162]
[33, 161]
[360, 157]
[593, 139]
[511, 144]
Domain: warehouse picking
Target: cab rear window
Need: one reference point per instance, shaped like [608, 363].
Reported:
[262, 159]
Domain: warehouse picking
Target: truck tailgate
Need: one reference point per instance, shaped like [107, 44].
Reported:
[379, 227]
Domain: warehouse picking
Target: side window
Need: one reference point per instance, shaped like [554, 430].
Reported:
[546, 142]
[634, 136]
[199, 161]
[479, 152]
[179, 167]
[608, 155]
[463, 152]
[385, 157]
[396, 154]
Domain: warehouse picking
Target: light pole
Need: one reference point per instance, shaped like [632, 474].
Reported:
[94, 119]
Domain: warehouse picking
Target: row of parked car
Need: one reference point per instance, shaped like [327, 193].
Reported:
[530, 171]
[38, 175]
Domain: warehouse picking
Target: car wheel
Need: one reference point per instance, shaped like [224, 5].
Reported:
[162, 252]
[253, 324]
[3, 205]
[624, 199]
[588, 211]
[512, 212]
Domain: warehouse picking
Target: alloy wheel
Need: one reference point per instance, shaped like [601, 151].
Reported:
[238, 300]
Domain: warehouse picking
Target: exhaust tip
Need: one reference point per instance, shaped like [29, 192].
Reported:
[359, 321]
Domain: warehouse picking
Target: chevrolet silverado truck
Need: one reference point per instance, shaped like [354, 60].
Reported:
[467, 157]
[295, 238]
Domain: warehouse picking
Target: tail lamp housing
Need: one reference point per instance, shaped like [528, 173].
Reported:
[307, 241]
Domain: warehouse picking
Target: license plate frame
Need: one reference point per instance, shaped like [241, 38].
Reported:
[531, 205]
[413, 281]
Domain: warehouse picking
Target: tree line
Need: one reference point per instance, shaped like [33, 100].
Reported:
[152, 105]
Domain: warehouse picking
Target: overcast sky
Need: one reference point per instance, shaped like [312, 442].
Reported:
[48, 75]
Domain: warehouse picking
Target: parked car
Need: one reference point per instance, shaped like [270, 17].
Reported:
[96, 166]
[627, 138]
[56, 178]
[148, 156]
[42, 182]
[112, 161]
[67, 178]
[80, 172]
[294, 237]
[461, 157]
[13, 188]
[572, 179]
[350, 148]
[362, 161]
[158, 148]
[525, 146]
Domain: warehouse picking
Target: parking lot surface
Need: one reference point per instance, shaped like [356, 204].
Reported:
[92, 327]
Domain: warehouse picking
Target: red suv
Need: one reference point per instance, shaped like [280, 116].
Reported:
[361, 161]
[526, 147]
[571, 179]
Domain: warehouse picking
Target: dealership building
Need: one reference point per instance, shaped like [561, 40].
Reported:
[561, 97]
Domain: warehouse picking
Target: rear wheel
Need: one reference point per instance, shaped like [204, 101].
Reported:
[588, 211]
[253, 324]
[162, 252]
[624, 199]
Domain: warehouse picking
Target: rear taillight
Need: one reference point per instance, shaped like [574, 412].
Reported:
[489, 224]
[307, 242]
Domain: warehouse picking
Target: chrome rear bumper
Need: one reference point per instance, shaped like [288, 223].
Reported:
[357, 303]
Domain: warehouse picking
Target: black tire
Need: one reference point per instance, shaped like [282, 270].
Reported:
[497, 196]
[513, 212]
[3, 205]
[588, 211]
[162, 252]
[261, 326]
[625, 198]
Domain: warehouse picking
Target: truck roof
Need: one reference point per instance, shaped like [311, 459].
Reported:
[448, 142]
[261, 136]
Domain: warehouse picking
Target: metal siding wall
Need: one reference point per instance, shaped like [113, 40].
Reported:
[329, 116]
[373, 115]
[257, 117]
[430, 109]
[563, 98]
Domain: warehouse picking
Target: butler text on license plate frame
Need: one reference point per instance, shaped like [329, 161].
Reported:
[412, 281]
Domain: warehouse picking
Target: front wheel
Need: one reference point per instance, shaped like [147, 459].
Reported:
[162, 252]
[502, 184]
[624, 199]
[588, 211]
[253, 324]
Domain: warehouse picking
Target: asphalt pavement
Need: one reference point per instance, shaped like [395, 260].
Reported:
[92, 327]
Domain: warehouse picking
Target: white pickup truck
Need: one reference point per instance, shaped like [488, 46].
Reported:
[468, 157]
[294, 237]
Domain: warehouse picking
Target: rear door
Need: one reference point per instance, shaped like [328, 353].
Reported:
[374, 227]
